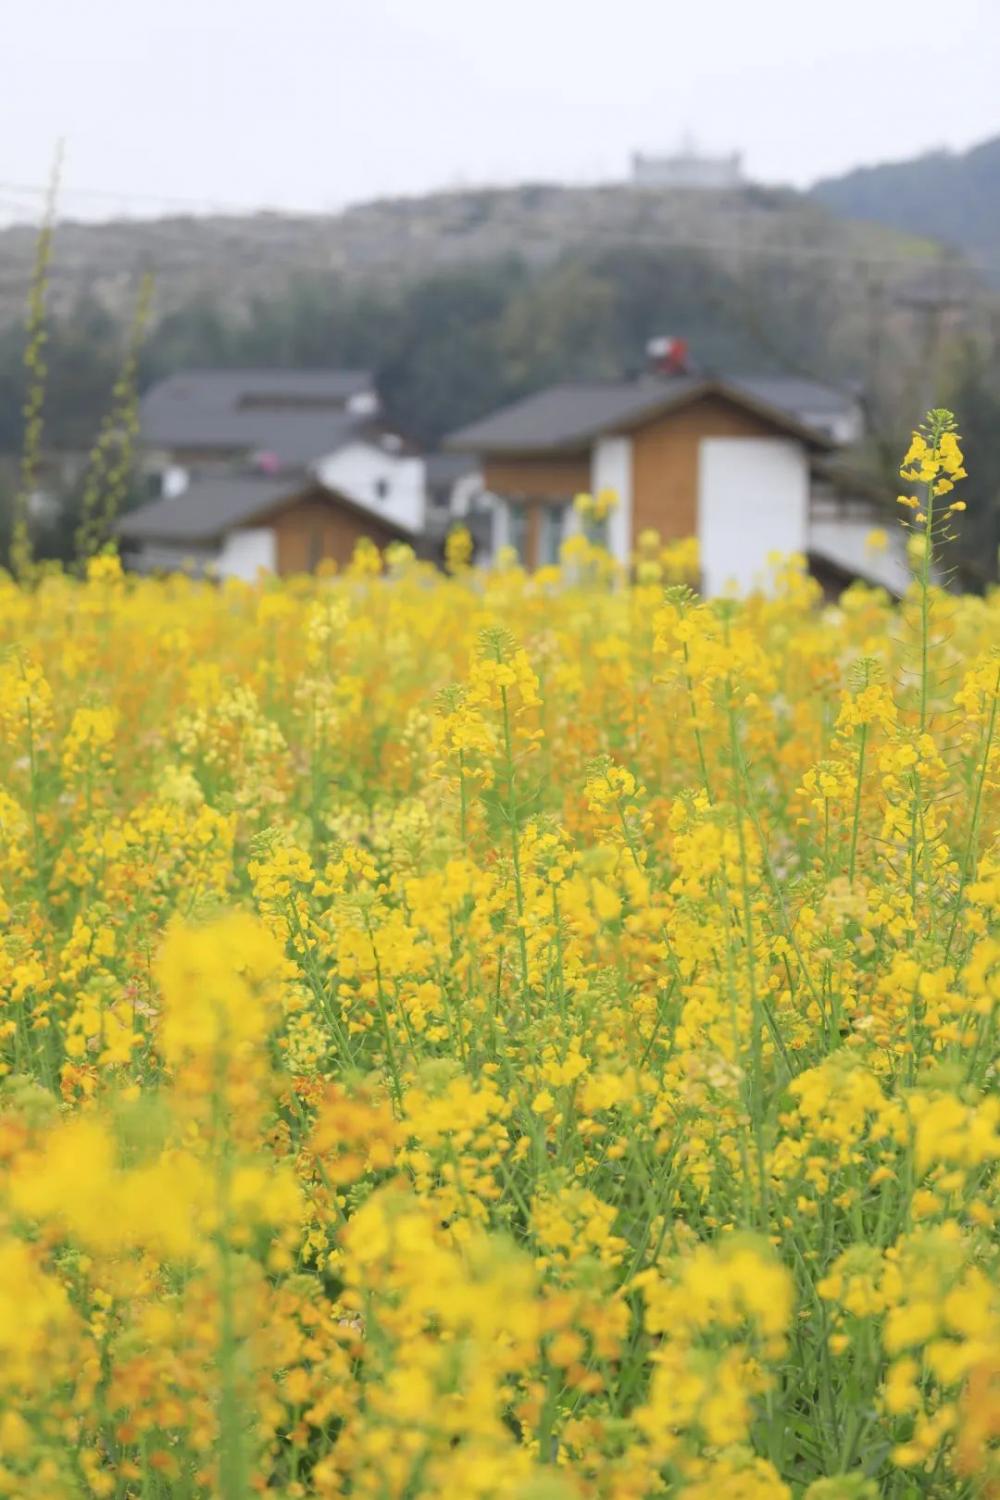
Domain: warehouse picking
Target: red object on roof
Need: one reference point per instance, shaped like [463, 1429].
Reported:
[668, 356]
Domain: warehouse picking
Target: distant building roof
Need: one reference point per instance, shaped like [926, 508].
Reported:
[205, 510]
[443, 470]
[210, 507]
[566, 418]
[296, 414]
[687, 168]
[795, 394]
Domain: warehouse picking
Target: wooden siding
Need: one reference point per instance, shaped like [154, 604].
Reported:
[532, 533]
[537, 478]
[665, 457]
[311, 530]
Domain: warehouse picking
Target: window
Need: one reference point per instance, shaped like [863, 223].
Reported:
[517, 527]
[598, 532]
[382, 489]
[551, 533]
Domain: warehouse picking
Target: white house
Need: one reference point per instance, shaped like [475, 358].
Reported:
[688, 168]
[273, 469]
[376, 471]
[237, 525]
[735, 462]
[213, 421]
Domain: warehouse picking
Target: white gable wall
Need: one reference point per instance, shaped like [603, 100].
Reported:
[753, 500]
[500, 528]
[464, 494]
[844, 540]
[245, 551]
[390, 485]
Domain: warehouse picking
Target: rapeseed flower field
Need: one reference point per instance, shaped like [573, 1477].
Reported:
[501, 1036]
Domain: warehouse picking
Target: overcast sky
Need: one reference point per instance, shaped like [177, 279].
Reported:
[314, 104]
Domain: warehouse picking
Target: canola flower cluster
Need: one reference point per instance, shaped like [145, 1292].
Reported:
[501, 1036]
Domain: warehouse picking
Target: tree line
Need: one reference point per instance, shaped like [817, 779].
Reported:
[446, 348]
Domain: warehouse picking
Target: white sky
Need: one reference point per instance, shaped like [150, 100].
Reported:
[313, 104]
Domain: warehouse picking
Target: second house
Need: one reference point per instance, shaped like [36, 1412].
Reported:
[737, 462]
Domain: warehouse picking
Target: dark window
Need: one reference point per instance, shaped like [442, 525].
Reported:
[381, 489]
[518, 528]
[553, 530]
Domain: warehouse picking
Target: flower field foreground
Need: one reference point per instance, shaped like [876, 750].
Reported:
[493, 1036]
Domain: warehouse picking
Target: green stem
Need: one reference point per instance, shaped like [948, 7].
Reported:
[515, 845]
[856, 822]
[969, 856]
[233, 1477]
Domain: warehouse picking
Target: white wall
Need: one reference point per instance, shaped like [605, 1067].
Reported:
[753, 499]
[174, 481]
[687, 170]
[500, 536]
[358, 469]
[245, 551]
[844, 541]
[611, 469]
[464, 493]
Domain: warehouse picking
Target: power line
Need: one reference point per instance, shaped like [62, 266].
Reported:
[736, 246]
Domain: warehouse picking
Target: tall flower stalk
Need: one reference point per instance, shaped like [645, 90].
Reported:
[36, 380]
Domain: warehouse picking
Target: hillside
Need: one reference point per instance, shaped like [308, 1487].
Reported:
[458, 301]
[235, 261]
[952, 197]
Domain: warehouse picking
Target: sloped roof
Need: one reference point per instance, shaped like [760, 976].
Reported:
[297, 414]
[444, 469]
[561, 416]
[795, 394]
[206, 509]
[565, 418]
[210, 507]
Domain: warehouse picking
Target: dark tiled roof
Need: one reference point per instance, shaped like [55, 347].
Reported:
[795, 394]
[298, 414]
[210, 507]
[295, 438]
[564, 418]
[445, 469]
[206, 510]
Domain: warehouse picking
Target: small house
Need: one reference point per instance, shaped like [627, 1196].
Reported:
[234, 525]
[200, 420]
[735, 461]
[275, 469]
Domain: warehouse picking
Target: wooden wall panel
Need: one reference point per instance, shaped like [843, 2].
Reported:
[538, 478]
[665, 463]
[312, 530]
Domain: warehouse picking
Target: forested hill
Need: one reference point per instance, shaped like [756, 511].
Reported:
[233, 261]
[952, 196]
[459, 301]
